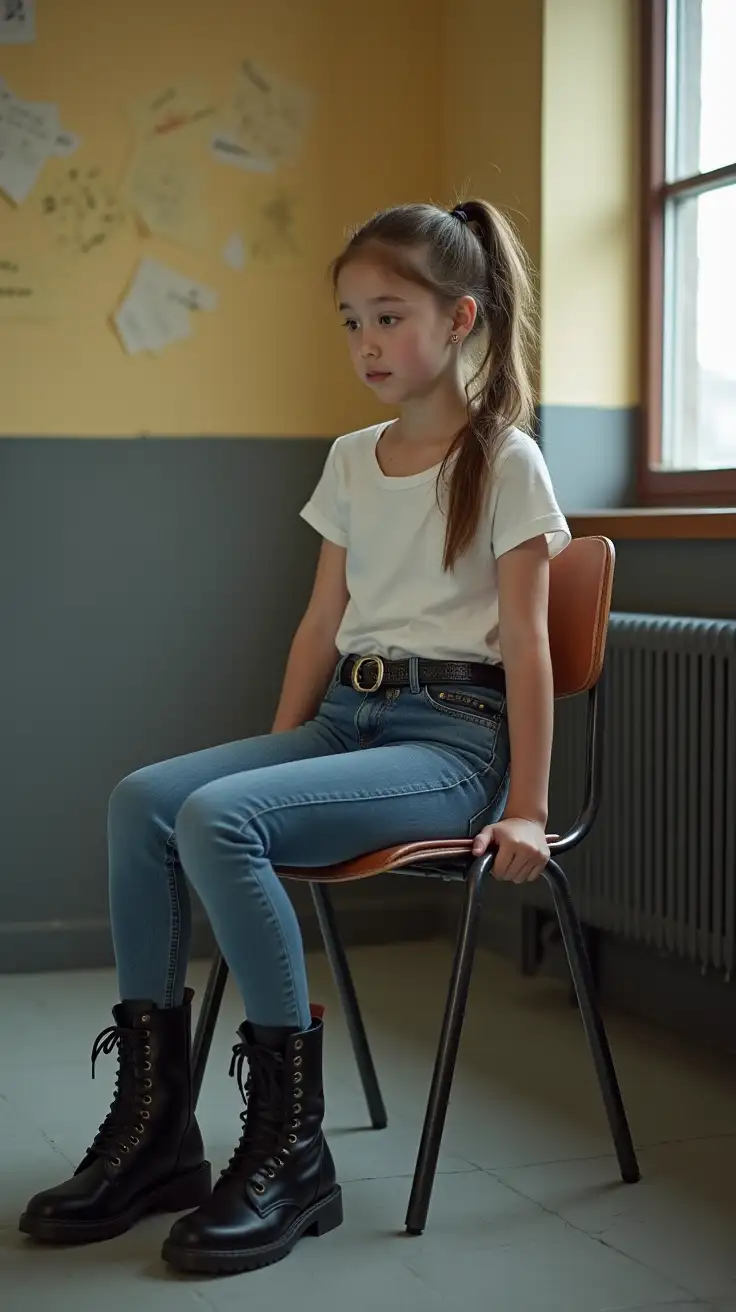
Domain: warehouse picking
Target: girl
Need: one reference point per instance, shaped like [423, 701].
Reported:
[431, 587]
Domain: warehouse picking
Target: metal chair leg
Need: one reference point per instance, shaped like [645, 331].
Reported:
[595, 1031]
[349, 999]
[216, 982]
[439, 1094]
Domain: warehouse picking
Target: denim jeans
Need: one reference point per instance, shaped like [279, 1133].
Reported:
[368, 771]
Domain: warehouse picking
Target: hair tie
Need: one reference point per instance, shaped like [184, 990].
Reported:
[460, 214]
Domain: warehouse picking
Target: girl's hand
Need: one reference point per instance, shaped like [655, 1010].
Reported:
[523, 851]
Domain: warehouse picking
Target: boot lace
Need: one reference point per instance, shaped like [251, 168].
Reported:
[259, 1149]
[124, 1125]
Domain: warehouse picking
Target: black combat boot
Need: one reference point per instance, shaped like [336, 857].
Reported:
[148, 1154]
[280, 1182]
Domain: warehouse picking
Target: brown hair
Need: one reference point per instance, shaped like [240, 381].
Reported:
[475, 251]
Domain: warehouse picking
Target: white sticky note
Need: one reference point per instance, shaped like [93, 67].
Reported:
[28, 132]
[17, 22]
[233, 252]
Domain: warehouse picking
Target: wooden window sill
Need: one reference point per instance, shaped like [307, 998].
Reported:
[646, 523]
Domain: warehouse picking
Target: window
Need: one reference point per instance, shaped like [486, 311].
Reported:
[689, 112]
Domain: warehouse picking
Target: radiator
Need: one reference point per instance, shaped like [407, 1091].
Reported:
[660, 864]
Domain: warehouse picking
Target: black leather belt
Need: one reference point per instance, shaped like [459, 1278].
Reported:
[369, 673]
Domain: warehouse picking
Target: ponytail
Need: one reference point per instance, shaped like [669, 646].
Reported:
[499, 390]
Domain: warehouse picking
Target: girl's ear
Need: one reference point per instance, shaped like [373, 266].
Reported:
[464, 318]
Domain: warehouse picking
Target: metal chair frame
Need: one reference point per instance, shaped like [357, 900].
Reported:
[474, 872]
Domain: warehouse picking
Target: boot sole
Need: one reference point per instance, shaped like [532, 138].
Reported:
[318, 1219]
[179, 1194]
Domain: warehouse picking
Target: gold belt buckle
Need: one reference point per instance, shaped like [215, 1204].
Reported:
[355, 675]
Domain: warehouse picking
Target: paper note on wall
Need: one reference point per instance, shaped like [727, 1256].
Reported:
[82, 210]
[264, 125]
[156, 311]
[25, 290]
[233, 252]
[165, 185]
[271, 229]
[17, 22]
[28, 135]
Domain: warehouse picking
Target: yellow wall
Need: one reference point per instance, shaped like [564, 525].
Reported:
[270, 359]
[589, 247]
[530, 103]
[491, 120]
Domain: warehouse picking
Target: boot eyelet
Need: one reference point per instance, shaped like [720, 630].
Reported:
[299, 1045]
[259, 1188]
[297, 1061]
[279, 1161]
[298, 1077]
[145, 1019]
[140, 1129]
[296, 1123]
[125, 1147]
[293, 1138]
[297, 1107]
[146, 1065]
[147, 1050]
[115, 1161]
[146, 1116]
[146, 1033]
[271, 1174]
[134, 1139]
[146, 1099]
[148, 1084]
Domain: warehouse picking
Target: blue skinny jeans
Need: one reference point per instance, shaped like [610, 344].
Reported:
[367, 772]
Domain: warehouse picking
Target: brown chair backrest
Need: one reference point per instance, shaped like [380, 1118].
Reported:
[580, 585]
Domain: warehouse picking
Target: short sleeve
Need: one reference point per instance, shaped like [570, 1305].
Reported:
[523, 503]
[326, 509]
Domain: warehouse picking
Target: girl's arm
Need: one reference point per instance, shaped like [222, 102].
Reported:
[313, 653]
[523, 581]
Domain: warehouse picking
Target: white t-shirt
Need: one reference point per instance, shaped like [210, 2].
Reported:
[402, 602]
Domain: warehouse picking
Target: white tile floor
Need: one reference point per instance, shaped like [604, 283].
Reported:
[528, 1213]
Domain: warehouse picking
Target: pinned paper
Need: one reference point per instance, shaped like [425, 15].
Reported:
[17, 22]
[165, 185]
[25, 290]
[264, 125]
[28, 135]
[233, 252]
[271, 229]
[157, 309]
[82, 210]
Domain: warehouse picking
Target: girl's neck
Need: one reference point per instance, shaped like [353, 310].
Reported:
[432, 419]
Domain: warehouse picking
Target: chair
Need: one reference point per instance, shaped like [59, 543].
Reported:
[581, 579]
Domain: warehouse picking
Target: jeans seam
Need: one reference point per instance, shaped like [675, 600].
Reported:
[489, 805]
[285, 953]
[171, 861]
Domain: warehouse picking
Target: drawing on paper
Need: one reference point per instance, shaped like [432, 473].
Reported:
[271, 229]
[83, 211]
[165, 185]
[265, 123]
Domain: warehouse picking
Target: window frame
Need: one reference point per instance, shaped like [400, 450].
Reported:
[664, 487]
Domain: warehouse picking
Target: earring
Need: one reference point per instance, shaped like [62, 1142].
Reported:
[455, 337]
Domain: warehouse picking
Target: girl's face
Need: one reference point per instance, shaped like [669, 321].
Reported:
[398, 332]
